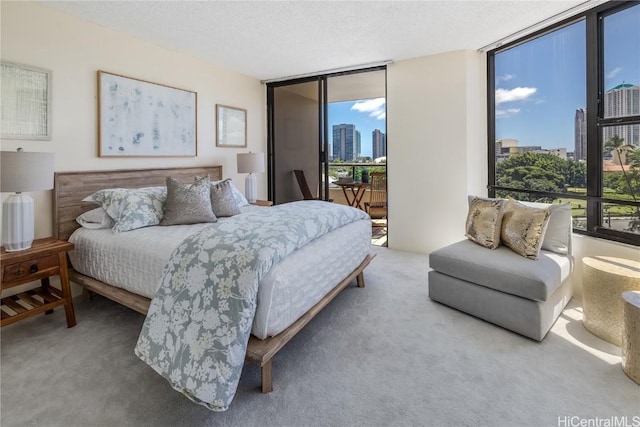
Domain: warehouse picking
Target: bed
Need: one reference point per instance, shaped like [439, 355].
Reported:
[283, 308]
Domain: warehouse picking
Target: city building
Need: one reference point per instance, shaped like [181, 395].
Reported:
[378, 144]
[621, 101]
[560, 152]
[346, 142]
[580, 126]
[509, 147]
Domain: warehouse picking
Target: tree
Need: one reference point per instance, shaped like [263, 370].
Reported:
[616, 144]
[634, 171]
[541, 172]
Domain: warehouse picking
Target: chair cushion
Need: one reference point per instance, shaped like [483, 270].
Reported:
[502, 269]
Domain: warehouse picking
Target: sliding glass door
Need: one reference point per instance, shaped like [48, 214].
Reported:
[331, 127]
[295, 138]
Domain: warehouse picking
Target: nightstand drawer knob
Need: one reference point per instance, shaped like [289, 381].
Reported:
[33, 268]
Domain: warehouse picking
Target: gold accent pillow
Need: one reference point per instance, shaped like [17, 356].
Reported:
[222, 200]
[188, 203]
[484, 220]
[523, 228]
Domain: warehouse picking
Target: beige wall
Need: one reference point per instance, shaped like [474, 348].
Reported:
[429, 100]
[74, 50]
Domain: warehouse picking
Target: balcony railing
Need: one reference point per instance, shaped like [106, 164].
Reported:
[353, 170]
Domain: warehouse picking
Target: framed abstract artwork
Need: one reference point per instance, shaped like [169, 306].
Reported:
[231, 128]
[140, 118]
[26, 102]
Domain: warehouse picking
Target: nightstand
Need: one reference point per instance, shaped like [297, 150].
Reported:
[46, 258]
[263, 203]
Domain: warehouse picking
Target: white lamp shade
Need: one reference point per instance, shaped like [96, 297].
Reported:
[23, 171]
[250, 162]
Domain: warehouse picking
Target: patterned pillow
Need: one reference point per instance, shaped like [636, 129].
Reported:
[188, 203]
[484, 220]
[523, 228]
[557, 238]
[131, 208]
[237, 194]
[222, 200]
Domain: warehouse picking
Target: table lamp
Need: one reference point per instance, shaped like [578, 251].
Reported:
[22, 171]
[250, 163]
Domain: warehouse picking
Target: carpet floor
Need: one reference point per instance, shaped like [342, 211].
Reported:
[385, 355]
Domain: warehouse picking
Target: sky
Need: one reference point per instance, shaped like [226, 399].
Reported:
[541, 84]
[367, 115]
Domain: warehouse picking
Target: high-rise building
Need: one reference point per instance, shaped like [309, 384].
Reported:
[622, 101]
[346, 142]
[580, 135]
[378, 144]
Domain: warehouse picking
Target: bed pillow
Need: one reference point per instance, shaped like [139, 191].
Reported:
[95, 219]
[523, 228]
[484, 220]
[222, 201]
[557, 238]
[131, 208]
[188, 203]
[237, 194]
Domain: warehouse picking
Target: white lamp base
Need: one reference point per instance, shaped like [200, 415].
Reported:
[251, 188]
[17, 222]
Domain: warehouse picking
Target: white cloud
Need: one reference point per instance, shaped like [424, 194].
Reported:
[611, 74]
[505, 78]
[375, 107]
[515, 94]
[501, 114]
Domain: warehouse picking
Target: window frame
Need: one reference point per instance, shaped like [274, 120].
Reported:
[594, 45]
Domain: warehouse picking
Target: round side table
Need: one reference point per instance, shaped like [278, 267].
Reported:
[604, 280]
[631, 336]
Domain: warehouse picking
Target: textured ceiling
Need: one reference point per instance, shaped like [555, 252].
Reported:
[267, 39]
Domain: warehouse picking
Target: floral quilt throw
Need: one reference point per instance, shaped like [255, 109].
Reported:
[198, 325]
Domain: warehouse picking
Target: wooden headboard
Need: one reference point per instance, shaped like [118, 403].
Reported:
[71, 187]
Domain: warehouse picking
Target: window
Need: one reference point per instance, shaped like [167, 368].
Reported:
[564, 120]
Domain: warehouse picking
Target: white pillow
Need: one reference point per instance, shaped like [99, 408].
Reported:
[237, 194]
[95, 219]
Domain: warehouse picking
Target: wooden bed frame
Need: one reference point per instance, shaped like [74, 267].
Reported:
[71, 187]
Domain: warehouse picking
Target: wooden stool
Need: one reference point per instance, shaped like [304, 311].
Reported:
[631, 336]
[604, 281]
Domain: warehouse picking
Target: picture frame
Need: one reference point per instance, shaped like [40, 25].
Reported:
[26, 102]
[231, 126]
[138, 118]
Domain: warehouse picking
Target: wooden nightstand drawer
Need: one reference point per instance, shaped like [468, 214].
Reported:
[30, 270]
[47, 257]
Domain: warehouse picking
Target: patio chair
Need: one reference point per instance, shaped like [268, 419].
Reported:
[304, 187]
[376, 207]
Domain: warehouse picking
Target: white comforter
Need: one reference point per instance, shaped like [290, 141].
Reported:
[134, 261]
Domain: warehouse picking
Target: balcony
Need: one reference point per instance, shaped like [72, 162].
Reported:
[354, 171]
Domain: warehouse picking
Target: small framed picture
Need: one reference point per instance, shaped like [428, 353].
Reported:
[26, 102]
[231, 126]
